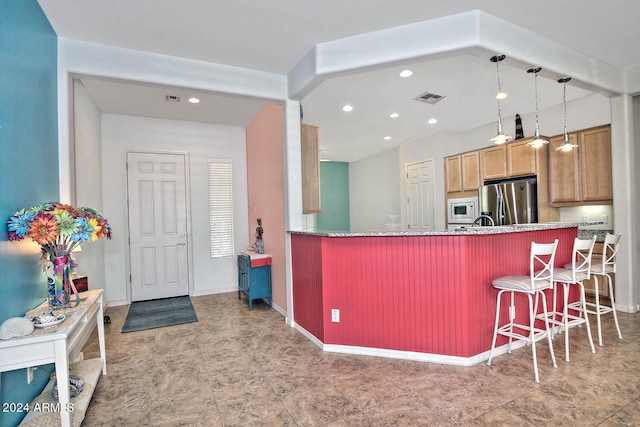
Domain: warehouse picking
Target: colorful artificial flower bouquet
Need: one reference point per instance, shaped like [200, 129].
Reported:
[58, 229]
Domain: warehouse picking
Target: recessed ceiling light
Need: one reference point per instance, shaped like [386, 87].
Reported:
[394, 115]
[386, 138]
[432, 121]
[501, 95]
[194, 100]
[347, 108]
[406, 73]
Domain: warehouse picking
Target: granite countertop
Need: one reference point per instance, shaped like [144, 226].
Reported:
[467, 231]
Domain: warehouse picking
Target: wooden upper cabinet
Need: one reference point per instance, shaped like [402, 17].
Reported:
[581, 176]
[494, 162]
[310, 169]
[453, 173]
[470, 171]
[510, 160]
[594, 146]
[521, 159]
[462, 172]
[564, 185]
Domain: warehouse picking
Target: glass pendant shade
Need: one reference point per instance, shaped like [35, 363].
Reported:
[566, 145]
[500, 138]
[537, 141]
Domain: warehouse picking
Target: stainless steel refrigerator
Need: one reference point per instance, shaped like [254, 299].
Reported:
[509, 202]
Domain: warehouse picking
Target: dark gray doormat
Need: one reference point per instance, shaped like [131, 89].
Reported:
[159, 313]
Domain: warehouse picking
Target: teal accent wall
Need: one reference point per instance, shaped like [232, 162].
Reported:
[334, 191]
[28, 167]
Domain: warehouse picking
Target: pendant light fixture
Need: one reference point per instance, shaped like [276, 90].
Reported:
[500, 138]
[537, 141]
[567, 145]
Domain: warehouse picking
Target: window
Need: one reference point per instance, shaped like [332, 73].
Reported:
[220, 208]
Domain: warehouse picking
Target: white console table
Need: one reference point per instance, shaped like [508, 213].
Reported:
[55, 344]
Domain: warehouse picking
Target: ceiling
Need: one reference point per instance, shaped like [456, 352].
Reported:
[274, 36]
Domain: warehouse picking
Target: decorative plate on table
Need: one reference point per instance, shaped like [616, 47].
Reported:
[45, 321]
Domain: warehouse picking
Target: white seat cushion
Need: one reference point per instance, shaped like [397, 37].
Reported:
[597, 269]
[519, 284]
[565, 275]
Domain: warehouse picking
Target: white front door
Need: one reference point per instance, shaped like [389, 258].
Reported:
[420, 195]
[158, 241]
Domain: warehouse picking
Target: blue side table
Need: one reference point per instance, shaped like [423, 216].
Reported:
[254, 276]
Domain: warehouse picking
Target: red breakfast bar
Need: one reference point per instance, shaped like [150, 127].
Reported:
[411, 295]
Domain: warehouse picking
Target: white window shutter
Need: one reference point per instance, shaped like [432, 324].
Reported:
[220, 208]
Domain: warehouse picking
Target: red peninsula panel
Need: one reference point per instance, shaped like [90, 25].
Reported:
[419, 293]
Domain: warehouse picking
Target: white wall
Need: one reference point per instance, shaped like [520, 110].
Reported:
[200, 142]
[374, 191]
[88, 180]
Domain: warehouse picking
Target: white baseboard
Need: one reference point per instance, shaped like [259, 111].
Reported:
[279, 309]
[627, 308]
[117, 303]
[405, 355]
[214, 291]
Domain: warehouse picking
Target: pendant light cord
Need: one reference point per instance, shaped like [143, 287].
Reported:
[499, 90]
[535, 85]
[564, 101]
[500, 138]
[567, 145]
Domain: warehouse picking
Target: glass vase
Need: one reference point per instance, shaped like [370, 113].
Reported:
[59, 283]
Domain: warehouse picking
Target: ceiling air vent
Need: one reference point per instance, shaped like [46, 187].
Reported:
[429, 98]
[172, 98]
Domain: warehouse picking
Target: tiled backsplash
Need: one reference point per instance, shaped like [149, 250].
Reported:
[597, 213]
[588, 234]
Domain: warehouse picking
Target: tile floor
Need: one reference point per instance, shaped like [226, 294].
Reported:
[237, 367]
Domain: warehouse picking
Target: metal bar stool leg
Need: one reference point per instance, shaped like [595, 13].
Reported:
[532, 337]
[495, 328]
[583, 302]
[613, 305]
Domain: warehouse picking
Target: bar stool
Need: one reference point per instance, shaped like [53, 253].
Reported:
[540, 278]
[604, 268]
[573, 274]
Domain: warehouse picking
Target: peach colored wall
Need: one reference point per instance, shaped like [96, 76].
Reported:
[265, 182]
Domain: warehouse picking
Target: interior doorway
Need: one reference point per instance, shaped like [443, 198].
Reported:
[420, 191]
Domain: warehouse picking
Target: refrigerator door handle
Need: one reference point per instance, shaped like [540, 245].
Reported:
[500, 213]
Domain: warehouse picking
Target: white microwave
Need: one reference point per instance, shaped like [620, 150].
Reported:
[463, 211]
